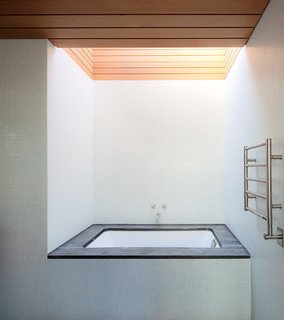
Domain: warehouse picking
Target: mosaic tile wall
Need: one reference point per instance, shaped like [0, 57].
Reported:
[254, 112]
[33, 287]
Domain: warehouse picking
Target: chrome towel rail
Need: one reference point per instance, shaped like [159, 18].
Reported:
[251, 162]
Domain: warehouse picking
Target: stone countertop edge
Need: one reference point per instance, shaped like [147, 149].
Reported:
[231, 248]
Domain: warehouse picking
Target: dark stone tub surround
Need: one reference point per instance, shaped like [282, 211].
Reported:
[75, 248]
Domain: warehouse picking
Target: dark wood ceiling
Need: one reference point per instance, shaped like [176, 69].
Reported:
[132, 23]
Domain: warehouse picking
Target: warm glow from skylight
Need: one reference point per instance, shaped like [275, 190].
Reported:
[155, 63]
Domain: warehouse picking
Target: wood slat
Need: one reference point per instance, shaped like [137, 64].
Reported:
[139, 39]
[128, 33]
[90, 50]
[87, 60]
[229, 53]
[132, 7]
[92, 24]
[159, 64]
[159, 76]
[148, 43]
[89, 53]
[181, 66]
[171, 58]
[98, 52]
[82, 59]
[230, 62]
[73, 53]
[134, 21]
[158, 70]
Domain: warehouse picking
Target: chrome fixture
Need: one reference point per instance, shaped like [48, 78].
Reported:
[158, 216]
[251, 162]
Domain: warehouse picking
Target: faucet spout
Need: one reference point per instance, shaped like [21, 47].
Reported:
[158, 216]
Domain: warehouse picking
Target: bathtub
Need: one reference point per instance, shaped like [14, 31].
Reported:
[155, 238]
[184, 241]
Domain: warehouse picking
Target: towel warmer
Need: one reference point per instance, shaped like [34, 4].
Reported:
[251, 162]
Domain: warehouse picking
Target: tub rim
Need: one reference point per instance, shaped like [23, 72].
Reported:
[74, 248]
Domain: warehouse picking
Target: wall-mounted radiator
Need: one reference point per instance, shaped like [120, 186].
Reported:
[267, 196]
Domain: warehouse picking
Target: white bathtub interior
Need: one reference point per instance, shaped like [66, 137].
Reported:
[155, 238]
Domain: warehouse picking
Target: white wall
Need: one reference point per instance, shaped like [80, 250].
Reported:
[254, 111]
[70, 148]
[159, 142]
